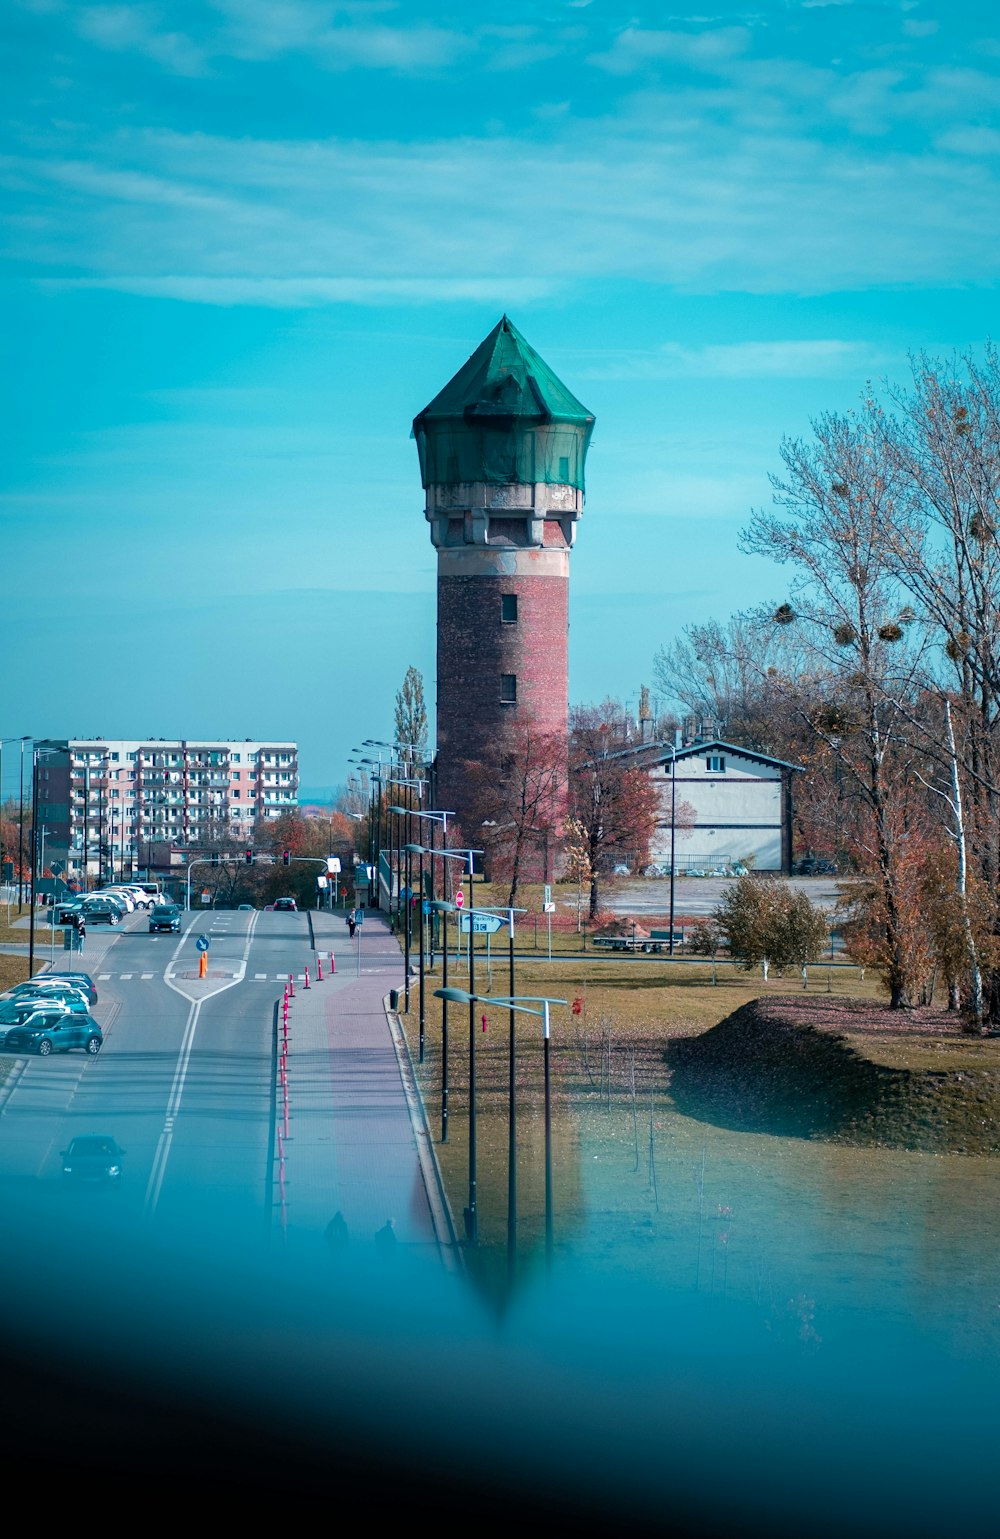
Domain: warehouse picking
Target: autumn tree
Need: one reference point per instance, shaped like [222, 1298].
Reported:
[611, 796]
[766, 924]
[832, 504]
[518, 798]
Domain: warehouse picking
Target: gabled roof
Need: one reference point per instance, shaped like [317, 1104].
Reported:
[717, 745]
[505, 378]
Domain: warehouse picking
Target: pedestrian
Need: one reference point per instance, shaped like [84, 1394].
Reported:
[336, 1235]
[352, 923]
[81, 932]
[385, 1240]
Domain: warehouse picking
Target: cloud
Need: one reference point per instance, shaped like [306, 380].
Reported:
[817, 359]
[299, 293]
[137, 29]
[637, 47]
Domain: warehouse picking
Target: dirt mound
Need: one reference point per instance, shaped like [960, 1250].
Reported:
[817, 1069]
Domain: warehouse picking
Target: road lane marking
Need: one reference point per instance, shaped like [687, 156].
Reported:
[125, 976]
[258, 976]
[146, 975]
[166, 1138]
[104, 977]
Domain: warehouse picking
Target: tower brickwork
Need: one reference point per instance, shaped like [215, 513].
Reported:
[502, 451]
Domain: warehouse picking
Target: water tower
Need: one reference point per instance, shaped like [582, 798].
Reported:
[502, 450]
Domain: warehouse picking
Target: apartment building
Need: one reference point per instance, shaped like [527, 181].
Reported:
[127, 795]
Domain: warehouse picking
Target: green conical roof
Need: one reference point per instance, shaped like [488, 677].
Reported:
[503, 417]
[505, 377]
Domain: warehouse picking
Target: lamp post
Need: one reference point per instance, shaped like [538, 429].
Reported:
[36, 754]
[420, 851]
[472, 1212]
[512, 1101]
[443, 908]
[22, 741]
[525, 1004]
[406, 782]
[673, 825]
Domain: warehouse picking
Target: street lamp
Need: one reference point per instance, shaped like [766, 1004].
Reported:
[525, 1005]
[472, 1212]
[421, 851]
[408, 920]
[439, 906]
[22, 741]
[36, 754]
[512, 1103]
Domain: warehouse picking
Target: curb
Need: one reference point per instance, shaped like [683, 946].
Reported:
[437, 1197]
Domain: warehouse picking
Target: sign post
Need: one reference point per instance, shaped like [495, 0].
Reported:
[549, 908]
[202, 944]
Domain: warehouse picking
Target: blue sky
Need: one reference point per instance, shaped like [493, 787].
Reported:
[246, 241]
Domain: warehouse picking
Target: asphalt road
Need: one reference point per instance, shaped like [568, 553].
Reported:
[698, 895]
[184, 1081]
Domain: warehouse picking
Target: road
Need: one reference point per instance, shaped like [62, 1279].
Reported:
[184, 1081]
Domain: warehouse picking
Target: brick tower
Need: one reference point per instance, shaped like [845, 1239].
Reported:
[502, 451]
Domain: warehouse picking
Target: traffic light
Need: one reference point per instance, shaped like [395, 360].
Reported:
[248, 857]
[286, 856]
[215, 857]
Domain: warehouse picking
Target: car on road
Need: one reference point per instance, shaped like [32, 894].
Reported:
[93, 1157]
[285, 906]
[165, 916]
[246, 908]
[55, 1032]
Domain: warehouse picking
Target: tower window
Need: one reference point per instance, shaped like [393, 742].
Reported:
[508, 608]
[508, 689]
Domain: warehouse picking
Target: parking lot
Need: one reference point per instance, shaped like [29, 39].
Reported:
[698, 896]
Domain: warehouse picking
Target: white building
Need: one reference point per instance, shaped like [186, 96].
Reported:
[126, 795]
[742, 805]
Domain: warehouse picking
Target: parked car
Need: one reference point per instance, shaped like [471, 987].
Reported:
[165, 916]
[102, 911]
[655, 870]
[126, 898]
[55, 1032]
[143, 899]
[93, 1157]
[82, 980]
[621, 870]
[29, 1012]
[285, 906]
[65, 909]
[58, 989]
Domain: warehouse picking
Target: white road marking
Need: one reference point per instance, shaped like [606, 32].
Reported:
[159, 1170]
[258, 976]
[104, 977]
[125, 976]
[146, 975]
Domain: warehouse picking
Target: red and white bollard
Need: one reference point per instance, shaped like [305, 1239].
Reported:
[291, 986]
[306, 984]
[319, 967]
[333, 963]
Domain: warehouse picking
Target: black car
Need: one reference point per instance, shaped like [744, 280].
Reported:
[285, 906]
[93, 1157]
[165, 916]
[48, 1033]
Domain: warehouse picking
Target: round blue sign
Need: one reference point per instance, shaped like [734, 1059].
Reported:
[202, 942]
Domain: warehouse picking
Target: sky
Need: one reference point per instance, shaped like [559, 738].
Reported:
[244, 242]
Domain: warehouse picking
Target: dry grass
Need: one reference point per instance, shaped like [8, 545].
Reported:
[599, 1057]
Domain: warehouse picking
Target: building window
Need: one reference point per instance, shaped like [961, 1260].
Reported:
[716, 763]
[508, 608]
[508, 689]
[564, 467]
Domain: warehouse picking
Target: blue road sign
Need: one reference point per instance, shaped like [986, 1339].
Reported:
[481, 924]
[359, 916]
[202, 942]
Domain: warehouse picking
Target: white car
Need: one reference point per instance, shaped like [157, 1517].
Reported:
[127, 897]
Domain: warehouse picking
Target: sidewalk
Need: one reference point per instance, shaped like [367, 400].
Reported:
[357, 1140]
